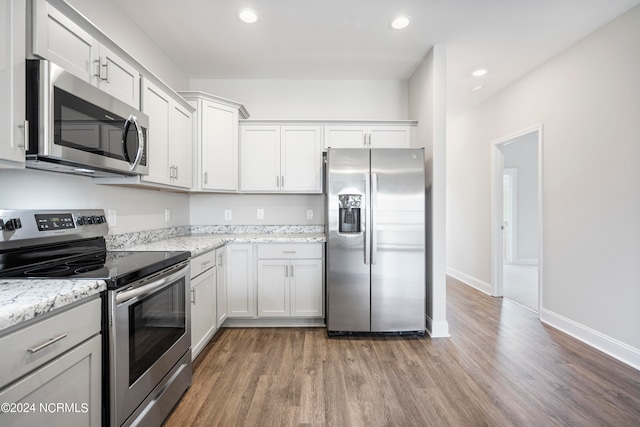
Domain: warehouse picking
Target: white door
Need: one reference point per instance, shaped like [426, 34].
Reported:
[306, 288]
[301, 159]
[219, 147]
[260, 158]
[240, 283]
[180, 146]
[273, 288]
[157, 105]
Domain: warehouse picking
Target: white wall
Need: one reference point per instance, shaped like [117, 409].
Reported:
[137, 210]
[286, 209]
[588, 100]
[313, 99]
[522, 155]
[427, 104]
[113, 21]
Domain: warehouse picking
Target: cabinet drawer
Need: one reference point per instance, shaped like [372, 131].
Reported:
[202, 263]
[290, 250]
[23, 350]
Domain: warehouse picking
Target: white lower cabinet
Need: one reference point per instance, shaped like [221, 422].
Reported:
[290, 280]
[221, 286]
[240, 282]
[203, 301]
[53, 370]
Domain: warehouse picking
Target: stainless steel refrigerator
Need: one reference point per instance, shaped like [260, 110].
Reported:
[375, 241]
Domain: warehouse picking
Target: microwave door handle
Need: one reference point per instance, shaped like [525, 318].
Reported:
[140, 143]
[133, 119]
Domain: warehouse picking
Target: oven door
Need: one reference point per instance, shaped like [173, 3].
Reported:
[149, 333]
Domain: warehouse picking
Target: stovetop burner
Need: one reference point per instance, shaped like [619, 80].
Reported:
[66, 245]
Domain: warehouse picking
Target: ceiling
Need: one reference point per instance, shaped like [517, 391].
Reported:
[352, 39]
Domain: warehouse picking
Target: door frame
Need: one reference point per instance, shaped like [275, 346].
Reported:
[497, 168]
[513, 241]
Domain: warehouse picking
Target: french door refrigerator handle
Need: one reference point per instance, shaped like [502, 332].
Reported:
[363, 217]
[373, 228]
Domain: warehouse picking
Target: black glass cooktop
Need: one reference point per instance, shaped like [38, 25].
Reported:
[87, 261]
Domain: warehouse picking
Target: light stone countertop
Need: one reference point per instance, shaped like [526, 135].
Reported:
[25, 299]
[198, 244]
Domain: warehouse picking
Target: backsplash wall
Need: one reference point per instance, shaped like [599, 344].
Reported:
[137, 209]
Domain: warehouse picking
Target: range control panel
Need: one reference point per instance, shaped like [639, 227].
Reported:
[27, 227]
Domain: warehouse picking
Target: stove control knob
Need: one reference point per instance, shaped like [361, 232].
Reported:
[80, 220]
[13, 224]
[90, 220]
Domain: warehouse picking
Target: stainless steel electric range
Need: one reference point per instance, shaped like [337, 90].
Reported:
[147, 331]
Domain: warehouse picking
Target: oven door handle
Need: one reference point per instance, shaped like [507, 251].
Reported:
[152, 287]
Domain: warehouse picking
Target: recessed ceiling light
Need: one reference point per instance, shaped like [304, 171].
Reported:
[479, 72]
[477, 88]
[400, 22]
[248, 16]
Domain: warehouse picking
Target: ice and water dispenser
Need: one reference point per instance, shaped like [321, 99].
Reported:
[350, 209]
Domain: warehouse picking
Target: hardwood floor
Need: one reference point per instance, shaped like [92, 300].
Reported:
[501, 367]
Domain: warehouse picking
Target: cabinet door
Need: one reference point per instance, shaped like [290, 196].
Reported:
[203, 310]
[260, 158]
[345, 136]
[118, 78]
[75, 379]
[221, 286]
[12, 83]
[219, 139]
[273, 288]
[180, 146]
[306, 288]
[240, 282]
[301, 159]
[157, 105]
[58, 39]
[390, 136]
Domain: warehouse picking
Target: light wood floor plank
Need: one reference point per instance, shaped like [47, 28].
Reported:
[501, 367]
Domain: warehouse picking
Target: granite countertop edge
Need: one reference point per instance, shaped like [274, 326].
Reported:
[25, 299]
[198, 244]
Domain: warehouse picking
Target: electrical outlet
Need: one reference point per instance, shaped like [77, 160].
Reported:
[167, 215]
[310, 214]
[260, 213]
[112, 217]
[228, 214]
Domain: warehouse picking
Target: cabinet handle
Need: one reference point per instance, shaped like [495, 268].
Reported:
[288, 252]
[206, 177]
[98, 72]
[286, 271]
[176, 172]
[292, 271]
[193, 297]
[282, 180]
[25, 127]
[204, 264]
[106, 72]
[47, 344]
[277, 181]
[220, 260]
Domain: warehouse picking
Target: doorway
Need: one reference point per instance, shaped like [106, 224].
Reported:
[517, 218]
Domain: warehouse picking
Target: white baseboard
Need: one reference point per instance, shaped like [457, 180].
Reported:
[470, 280]
[524, 261]
[438, 329]
[614, 348]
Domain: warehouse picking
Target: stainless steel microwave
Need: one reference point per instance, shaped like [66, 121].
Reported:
[74, 127]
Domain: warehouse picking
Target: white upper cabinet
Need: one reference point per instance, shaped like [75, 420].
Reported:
[168, 138]
[215, 142]
[59, 39]
[280, 158]
[368, 136]
[12, 84]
